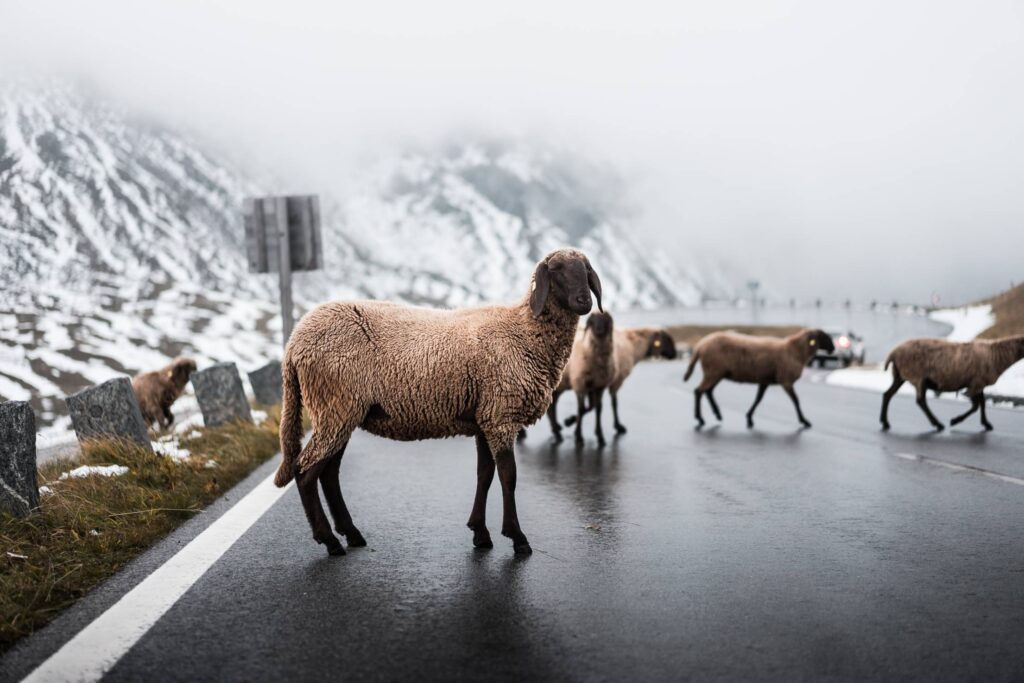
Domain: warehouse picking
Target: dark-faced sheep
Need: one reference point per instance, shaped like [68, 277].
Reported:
[631, 346]
[157, 391]
[941, 365]
[411, 373]
[754, 360]
[590, 370]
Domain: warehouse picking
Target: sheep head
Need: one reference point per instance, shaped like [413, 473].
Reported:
[819, 339]
[180, 370]
[567, 276]
[662, 344]
[599, 324]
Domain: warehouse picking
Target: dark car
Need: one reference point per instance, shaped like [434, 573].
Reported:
[849, 349]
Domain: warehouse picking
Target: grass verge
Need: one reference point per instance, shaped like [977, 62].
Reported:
[691, 334]
[1008, 309]
[90, 527]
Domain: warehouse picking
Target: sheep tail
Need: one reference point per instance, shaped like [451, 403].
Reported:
[888, 362]
[291, 424]
[693, 363]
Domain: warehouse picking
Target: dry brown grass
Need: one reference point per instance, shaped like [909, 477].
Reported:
[1008, 308]
[691, 334]
[89, 528]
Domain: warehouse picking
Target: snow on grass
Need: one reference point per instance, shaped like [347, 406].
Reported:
[968, 322]
[169, 447]
[98, 470]
[259, 417]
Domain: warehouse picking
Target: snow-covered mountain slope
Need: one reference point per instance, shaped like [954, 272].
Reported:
[474, 219]
[121, 242]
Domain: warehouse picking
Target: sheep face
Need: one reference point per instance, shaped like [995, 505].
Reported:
[181, 370]
[818, 339]
[599, 324]
[567, 276]
[662, 345]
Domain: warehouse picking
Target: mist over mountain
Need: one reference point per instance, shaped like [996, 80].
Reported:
[123, 241]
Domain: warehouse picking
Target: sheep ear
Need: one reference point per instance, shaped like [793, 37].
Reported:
[595, 284]
[539, 288]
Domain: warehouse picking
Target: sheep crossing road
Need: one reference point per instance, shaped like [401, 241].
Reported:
[770, 554]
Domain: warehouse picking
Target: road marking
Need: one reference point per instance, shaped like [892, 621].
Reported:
[100, 645]
[960, 468]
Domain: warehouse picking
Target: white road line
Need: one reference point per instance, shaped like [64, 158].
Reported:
[99, 646]
[960, 468]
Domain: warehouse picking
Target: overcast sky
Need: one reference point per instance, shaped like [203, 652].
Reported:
[869, 149]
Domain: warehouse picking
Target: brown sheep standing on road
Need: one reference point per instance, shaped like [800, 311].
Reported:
[157, 391]
[942, 365]
[754, 360]
[410, 373]
[632, 345]
[590, 370]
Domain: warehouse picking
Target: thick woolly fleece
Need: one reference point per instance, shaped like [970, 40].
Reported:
[955, 366]
[410, 373]
[754, 360]
[592, 362]
[157, 391]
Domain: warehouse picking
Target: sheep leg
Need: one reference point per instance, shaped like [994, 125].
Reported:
[556, 429]
[331, 484]
[761, 388]
[306, 483]
[796, 404]
[975, 401]
[169, 416]
[484, 476]
[595, 401]
[923, 404]
[984, 419]
[697, 395]
[506, 464]
[619, 427]
[581, 410]
[714, 404]
[897, 382]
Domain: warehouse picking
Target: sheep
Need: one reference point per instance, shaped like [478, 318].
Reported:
[941, 365]
[409, 373]
[590, 370]
[631, 346]
[158, 390]
[754, 360]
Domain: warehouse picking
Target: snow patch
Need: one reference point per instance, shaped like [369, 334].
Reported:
[968, 322]
[170, 449]
[98, 470]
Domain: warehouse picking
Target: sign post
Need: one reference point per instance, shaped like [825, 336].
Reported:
[282, 235]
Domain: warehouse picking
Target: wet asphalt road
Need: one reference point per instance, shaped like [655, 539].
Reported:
[672, 554]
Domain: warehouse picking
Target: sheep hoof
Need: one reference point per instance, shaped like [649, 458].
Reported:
[482, 539]
[619, 429]
[355, 540]
[805, 424]
[522, 549]
[579, 440]
[939, 428]
[335, 550]
[557, 437]
[885, 426]
[601, 443]
[988, 427]
[750, 423]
